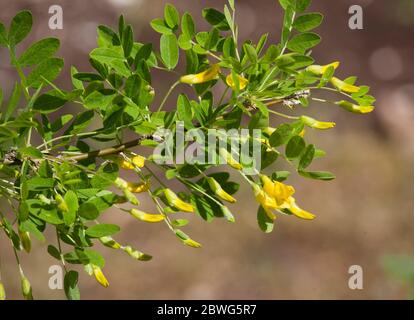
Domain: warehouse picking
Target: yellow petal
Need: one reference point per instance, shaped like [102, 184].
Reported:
[191, 243]
[218, 190]
[319, 70]
[229, 159]
[100, 277]
[143, 216]
[298, 211]
[205, 76]
[176, 202]
[313, 123]
[277, 190]
[302, 133]
[242, 82]
[138, 187]
[355, 108]
[343, 86]
[138, 161]
[125, 164]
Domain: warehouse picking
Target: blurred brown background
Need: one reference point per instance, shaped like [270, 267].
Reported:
[365, 213]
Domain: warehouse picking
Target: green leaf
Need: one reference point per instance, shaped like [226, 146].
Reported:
[304, 41]
[295, 147]
[39, 51]
[317, 175]
[127, 41]
[53, 251]
[188, 25]
[308, 21]
[107, 37]
[87, 77]
[88, 211]
[171, 16]
[284, 132]
[20, 27]
[169, 50]
[71, 285]
[251, 52]
[13, 102]
[265, 223]
[102, 230]
[160, 26]
[3, 36]
[113, 58]
[71, 200]
[105, 176]
[297, 5]
[216, 19]
[46, 71]
[184, 111]
[307, 157]
[31, 152]
[37, 183]
[48, 102]
[180, 222]
[99, 99]
[184, 42]
[144, 53]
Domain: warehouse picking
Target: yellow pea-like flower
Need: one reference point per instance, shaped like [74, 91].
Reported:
[293, 207]
[26, 288]
[138, 255]
[320, 70]
[61, 203]
[343, 86]
[135, 161]
[351, 107]
[2, 292]
[313, 123]
[143, 216]
[202, 77]
[25, 240]
[138, 161]
[99, 276]
[218, 190]
[279, 191]
[243, 82]
[110, 242]
[229, 159]
[176, 202]
[138, 187]
[191, 243]
[267, 202]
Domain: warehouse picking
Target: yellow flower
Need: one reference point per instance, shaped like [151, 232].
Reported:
[355, 108]
[277, 190]
[26, 288]
[313, 123]
[25, 240]
[205, 76]
[320, 70]
[242, 82]
[176, 202]
[302, 133]
[229, 159]
[278, 196]
[138, 161]
[267, 202]
[138, 255]
[130, 164]
[292, 207]
[100, 277]
[191, 243]
[140, 215]
[138, 187]
[110, 242]
[218, 190]
[343, 86]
